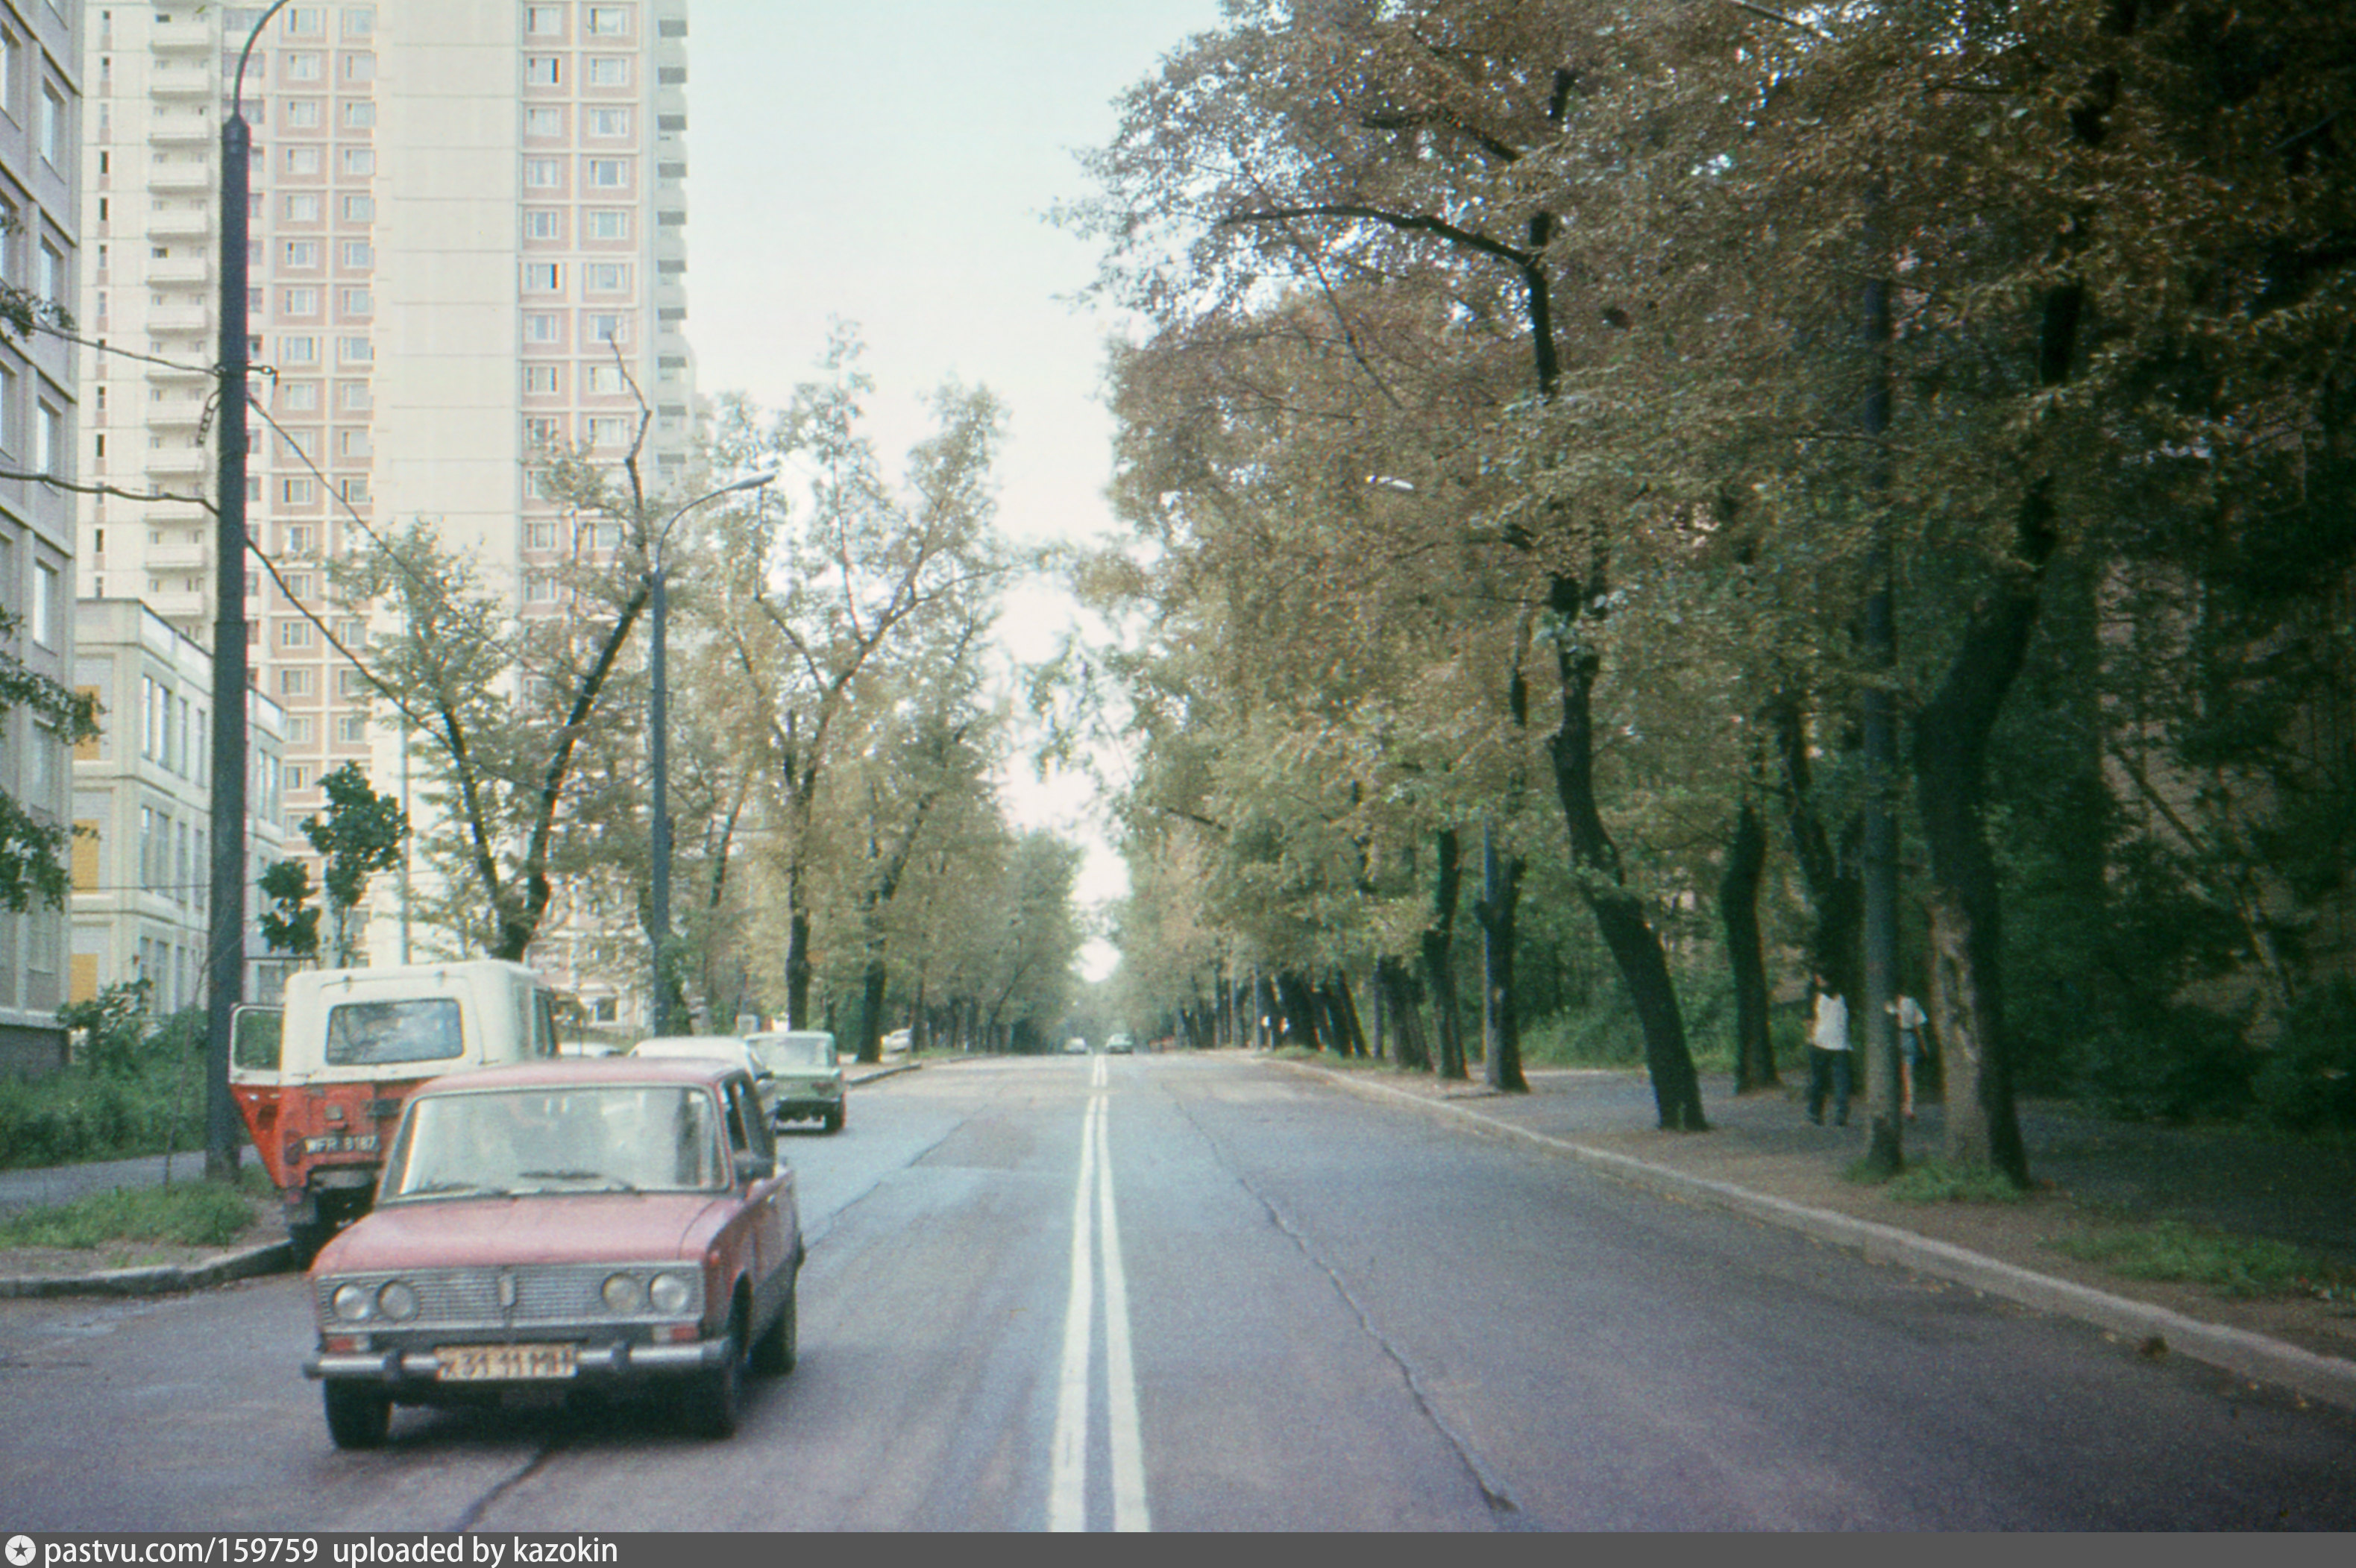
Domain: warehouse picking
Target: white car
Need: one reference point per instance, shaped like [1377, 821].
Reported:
[732, 1048]
[1075, 1046]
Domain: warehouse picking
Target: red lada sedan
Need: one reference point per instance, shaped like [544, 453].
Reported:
[602, 1223]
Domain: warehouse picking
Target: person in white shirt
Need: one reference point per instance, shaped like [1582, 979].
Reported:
[1911, 1020]
[1829, 1058]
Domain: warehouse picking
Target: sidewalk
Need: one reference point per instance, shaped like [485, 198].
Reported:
[1764, 1160]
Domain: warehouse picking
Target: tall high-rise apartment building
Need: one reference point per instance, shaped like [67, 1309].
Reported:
[467, 241]
[39, 98]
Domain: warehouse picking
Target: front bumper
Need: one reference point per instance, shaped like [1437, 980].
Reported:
[592, 1363]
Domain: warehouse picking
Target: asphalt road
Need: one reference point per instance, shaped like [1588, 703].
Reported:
[1291, 1308]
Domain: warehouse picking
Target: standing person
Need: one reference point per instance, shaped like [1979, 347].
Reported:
[1828, 1070]
[1911, 1019]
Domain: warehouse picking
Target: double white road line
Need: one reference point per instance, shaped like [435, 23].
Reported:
[1067, 1484]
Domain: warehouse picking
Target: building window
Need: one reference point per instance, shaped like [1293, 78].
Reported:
[298, 350]
[298, 490]
[609, 430]
[301, 113]
[304, 160]
[609, 121]
[360, 21]
[604, 277]
[359, 70]
[354, 351]
[538, 589]
[299, 397]
[302, 254]
[357, 302]
[609, 173]
[53, 128]
[541, 71]
[360, 114]
[353, 397]
[350, 683]
[608, 22]
[609, 71]
[301, 730]
[359, 208]
[303, 206]
[302, 66]
[352, 442]
[608, 223]
[358, 161]
[49, 619]
[539, 535]
[542, 431]
[299, 302]
[305, 21]
[53, 272]
[540, 277]
[358, 253]
[608, 327]
[294, 682]
[295, 634]
[540, 378]
[48, 441]
[607, 379]
[351, 729]
[354, 488]
[302, 539]
[544, 174]
[543, 122]
[539, 326]
[543, 223]
[543, 21]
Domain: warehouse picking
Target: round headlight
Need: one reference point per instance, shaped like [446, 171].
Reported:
[671, 1294]
[351, 1302]
[398, 1301]
[622, 1293]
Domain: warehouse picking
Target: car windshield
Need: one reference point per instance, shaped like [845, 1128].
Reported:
[789, 1052]
[607, 1138]
[423, 1029]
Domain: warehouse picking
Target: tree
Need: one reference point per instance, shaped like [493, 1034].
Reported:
[32, 843]
[361, 835]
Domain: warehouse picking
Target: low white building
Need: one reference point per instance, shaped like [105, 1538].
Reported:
[143, 810]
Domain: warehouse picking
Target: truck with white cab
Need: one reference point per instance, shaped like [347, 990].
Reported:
[322, 1080]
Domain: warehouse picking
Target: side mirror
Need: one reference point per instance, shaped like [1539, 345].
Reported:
[752, 1168]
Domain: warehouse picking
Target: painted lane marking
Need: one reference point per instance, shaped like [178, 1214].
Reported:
[1093, 1200]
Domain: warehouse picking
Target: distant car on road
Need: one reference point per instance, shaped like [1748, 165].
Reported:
[1075, 1046]
[1120, 1044]
[807, 1073]
[618, 1223]
[735, 1050]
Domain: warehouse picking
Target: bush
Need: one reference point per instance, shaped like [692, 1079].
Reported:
[2309, 1081]
[2183, 1064]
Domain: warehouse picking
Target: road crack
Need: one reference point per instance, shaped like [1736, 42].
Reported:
[1493, 1489]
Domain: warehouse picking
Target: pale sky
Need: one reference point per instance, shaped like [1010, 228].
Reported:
[891, 161]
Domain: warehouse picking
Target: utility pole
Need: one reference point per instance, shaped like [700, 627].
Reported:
[225, 941]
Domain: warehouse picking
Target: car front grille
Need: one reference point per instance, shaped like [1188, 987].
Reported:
[537, 1295]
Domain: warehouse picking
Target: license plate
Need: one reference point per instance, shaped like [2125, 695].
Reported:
[504, 1363]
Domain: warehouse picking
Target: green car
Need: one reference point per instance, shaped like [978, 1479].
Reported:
[809, 1079]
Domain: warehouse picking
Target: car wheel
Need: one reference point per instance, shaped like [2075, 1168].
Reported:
[775, 1352]
[358, 1417]
[834, 1120]
[714, 1397]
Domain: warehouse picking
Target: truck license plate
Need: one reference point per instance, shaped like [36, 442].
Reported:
[503, 1363]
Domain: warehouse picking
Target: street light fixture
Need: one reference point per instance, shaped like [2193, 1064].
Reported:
[225, 929]
[661, 1008]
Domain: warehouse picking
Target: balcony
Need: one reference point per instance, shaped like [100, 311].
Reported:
[177, 464]
[191, 222]
[182, 131]
[179, 179]
[178, 375]
[171, 413]
[179, 317]
[183, 270]
[180, 38]
[178, 558]
[172, 79]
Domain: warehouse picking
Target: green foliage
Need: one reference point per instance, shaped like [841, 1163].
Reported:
[2232, 1266]
[136, 1088]
[288, 924]
[32, 844]
[188, 1214]
[1936, 1181]
[2310, 1080]
[361, 835]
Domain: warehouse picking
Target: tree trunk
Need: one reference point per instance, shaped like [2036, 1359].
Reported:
[1397, 987]
[1737, 908]
[1951, 739]
[1440, 961]
[1343, 1012]
[871, 1009]
[1635, 947]
[1300, 1011]
[1498, 908]
[1835, 898]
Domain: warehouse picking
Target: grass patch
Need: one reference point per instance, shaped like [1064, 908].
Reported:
[188, 1214]
[1937, 1181]
[2232, 1265]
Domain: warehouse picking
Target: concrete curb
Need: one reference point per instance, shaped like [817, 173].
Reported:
[2235, 1350]
[164, 1279]
[881, 1073]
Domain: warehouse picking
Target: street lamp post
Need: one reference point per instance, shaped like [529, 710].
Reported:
[662, 1006]
[225, 936]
